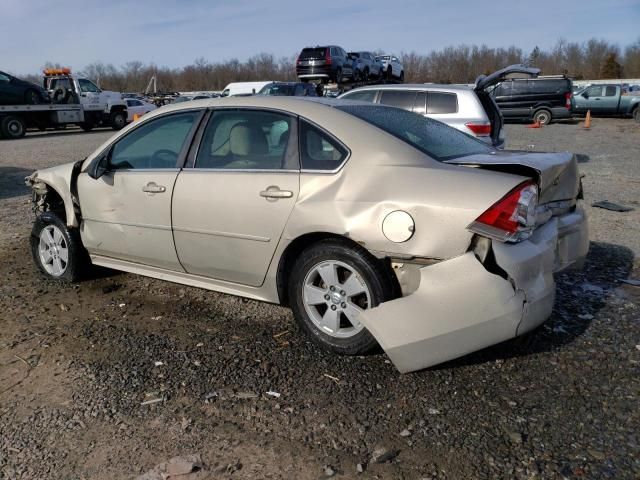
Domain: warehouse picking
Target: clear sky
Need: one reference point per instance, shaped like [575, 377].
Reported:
[174, 33]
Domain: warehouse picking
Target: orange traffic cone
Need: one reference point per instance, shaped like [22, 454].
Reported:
[587, 121]
[136, 116]
[535, 124]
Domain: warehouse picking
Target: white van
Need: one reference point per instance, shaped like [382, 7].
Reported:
[243, 88]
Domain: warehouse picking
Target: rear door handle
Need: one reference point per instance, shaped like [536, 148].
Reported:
[153, 187]
[275, 192]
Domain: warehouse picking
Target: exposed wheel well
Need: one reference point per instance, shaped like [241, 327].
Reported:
[296, 247]
[51, 201]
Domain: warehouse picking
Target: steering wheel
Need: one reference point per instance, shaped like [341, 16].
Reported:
[164, 158]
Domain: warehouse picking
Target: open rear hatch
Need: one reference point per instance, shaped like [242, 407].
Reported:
[555, 173]
[483, 86]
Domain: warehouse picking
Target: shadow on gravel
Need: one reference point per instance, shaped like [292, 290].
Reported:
[579, 297]
[12, 182]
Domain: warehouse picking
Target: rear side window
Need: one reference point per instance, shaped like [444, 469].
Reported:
[312, 53]
[318, 150]
[397, 98]
[610, 91]
[439, 103]
[361, 95]
[245, 140]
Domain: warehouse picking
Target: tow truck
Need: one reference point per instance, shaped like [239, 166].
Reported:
[74, 100]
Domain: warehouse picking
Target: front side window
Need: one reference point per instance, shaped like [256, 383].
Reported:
[245, 140]
[595, 91]
[87, 86]
[440, 103]
[361, 95]
[404, 99]
[154, 144]
[441, 142]
[318, 150]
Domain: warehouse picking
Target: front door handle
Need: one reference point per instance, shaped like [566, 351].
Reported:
[275, 192]
[153, 187]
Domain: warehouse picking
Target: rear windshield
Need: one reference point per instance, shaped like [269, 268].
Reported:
[309, 53]
[441, 142]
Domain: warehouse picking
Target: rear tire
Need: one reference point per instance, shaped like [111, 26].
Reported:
[118, 120]
[339, 300]
[543, 116]
[87, 126]
[339, 75]
[13, 127]
[636, 114]
[57, 249]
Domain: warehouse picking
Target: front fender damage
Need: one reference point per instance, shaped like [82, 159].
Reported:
[62, 181]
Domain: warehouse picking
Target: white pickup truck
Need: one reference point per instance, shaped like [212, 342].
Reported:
[74, 100]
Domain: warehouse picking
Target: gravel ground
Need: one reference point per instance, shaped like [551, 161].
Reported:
[110, 377]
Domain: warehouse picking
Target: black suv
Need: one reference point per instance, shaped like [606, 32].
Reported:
[542, 99]
[330, 63]
[288, 89]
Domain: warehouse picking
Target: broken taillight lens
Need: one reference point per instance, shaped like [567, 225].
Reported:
[479, 129]
[512, 218]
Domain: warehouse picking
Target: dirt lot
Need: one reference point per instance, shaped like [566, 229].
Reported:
[77, 362]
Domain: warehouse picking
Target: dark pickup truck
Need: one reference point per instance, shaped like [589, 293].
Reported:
[606, 100]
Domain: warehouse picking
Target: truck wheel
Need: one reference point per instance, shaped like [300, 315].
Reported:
[338, 75]
[57, 249]
[13, 127]
[87, 126]
[543, 116]
[330, 283]
[118, 120]
[636, 114]
[31, 97]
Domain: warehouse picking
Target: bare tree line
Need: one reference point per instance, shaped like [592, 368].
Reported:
[593, 59]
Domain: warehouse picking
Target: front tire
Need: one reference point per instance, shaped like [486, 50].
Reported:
[331, 282]
[57, 249]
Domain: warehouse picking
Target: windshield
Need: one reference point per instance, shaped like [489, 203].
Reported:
[275, 89]
[439, 141]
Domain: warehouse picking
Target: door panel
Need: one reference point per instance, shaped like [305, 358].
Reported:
[120, 220]
[224, 228]
[126, 213]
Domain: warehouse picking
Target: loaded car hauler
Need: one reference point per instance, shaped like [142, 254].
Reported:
[74, 100]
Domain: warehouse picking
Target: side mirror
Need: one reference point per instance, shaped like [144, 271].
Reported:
[585, 94]
[99, 167]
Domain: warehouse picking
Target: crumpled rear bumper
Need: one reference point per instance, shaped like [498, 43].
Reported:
[461, 307]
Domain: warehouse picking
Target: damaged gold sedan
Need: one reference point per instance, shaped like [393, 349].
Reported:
[376, 226]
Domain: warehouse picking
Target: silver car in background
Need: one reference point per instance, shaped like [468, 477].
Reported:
[468, 109]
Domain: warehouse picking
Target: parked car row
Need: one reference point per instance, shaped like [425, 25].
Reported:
[332, 63]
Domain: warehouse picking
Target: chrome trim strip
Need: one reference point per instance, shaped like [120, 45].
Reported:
[240, 236]
[237, 170]
[129, 224]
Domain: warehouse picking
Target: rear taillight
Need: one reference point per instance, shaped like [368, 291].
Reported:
[511, 219]
[479, 129]
[567, 103]
[327, 57]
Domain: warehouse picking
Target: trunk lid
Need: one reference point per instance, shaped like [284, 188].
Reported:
[556, 173]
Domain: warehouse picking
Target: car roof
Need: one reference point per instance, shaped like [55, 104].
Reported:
[417, 86]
